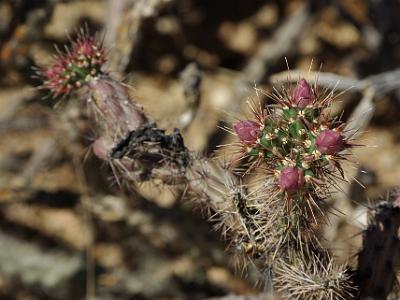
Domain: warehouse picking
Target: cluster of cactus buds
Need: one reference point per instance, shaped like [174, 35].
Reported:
[295, 139]
[72, 69]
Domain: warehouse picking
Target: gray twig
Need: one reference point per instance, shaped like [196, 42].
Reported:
[382, 83]
[116, 9]
[362, 114]
[37, 159]
[191, 80]
[380, 254]
[126, 33]
[282, 43]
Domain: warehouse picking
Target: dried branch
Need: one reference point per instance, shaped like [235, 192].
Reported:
[191, 78]
[361, 115]
[128, 29]
[379, 257]
[283, 42]
[382, 83]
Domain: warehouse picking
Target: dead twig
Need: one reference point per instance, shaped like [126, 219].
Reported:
[37, 160]
[191, 80]
[280, 44]
[362, 114]
[283, 42]
[382, 83]
[125, 35]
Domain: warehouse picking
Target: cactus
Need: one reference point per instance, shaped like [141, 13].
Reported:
[271, 223]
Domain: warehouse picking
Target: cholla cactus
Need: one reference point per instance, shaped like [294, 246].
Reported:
[109, 101]
[295, 143]
[298, 147]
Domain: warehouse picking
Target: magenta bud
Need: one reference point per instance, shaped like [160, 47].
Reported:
[291, 179]
[330, 142]
[303, 95]
[247, 131]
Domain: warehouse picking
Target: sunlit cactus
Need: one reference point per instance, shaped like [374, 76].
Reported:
[296, 140]
[293, 144]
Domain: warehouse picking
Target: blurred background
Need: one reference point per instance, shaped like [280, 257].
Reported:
[67, 231]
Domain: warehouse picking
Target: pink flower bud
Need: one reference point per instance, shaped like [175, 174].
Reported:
[330, 142]
[247, 131]
[303, 95]
[291, 179]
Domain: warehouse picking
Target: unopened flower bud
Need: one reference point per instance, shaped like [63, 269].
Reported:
[291, 179]
[330, 142]
[247, 131]
[303, 95]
